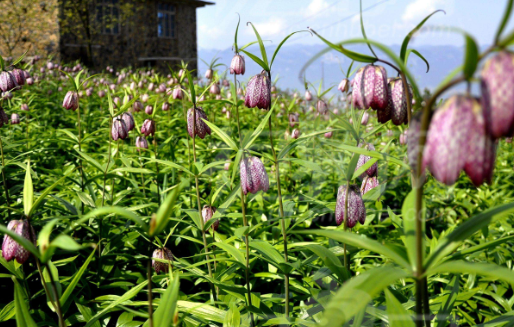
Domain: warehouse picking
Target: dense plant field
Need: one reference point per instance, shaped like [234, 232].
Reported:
[284, 209]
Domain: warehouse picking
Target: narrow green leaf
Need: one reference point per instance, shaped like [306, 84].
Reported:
[23, 318]
[76, 278]
[489, 270]
[362, 242]
[357, 293]
[260, 127]
[232, 251]
[417, 54]
[280, 45]
[164, 212]
[471, 57]
[405, 43]
[448, 301]
[222, 135]
[261, 46]
[350, 54]
[453, 240]
[165, 312]
[28, 191]
[257, 60]
[330, 260]
[125, 297]
[398, 316]
[409, 226]
[504, 21]
[364, 31]
[45, 193]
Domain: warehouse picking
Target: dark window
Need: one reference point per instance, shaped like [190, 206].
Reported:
[108, 16]
[165, 20]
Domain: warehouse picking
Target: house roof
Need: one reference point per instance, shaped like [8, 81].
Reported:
[196, 3]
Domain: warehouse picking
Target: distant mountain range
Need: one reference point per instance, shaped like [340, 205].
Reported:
[291, 59]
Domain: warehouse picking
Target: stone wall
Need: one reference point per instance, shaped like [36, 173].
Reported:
[137, 38]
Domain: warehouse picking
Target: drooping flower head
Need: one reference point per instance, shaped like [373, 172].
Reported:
[200, 128]
[163, 254]
[258, 92]
[370, 88]
[356, 208]
[253, 175]
[207, 213]
[10, 248]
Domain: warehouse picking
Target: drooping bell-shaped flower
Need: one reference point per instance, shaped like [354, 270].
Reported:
[19, 76]
[214, 89]
[295, 134]
[398, 102]
[368, 183]
[308, 95]
[497, 86]
[356, 208]
[10, 248]
[253, 175]
[293, 119]
[24, 107]
[15, 119]
[344, 85]
[365, 119]
[208, 74]
[457, 139]
[258, 92]
[363, 159]
[148, 127]
[237, 65]
[137, 106]
[329, 135]
[322, 107]
[200, 128]
[162, 254]
[177, 93]
[129, 120]
[207, 213]
[141, 143]
[119, 129]
[149, 109]
[71, 101]
[370, 88]
[165, 106]
[7, 82]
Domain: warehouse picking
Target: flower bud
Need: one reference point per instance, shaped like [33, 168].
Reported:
[145, 97]
[344, 85]
[19, 76]
[226, 166]
[293, 119]
[253, 175]
[321, 107]
[71, 101]
[368, 183]
[15, 119]
[208, 74]
[200, 128]
[370, 88]
[162, 254]
[177, 93]
[119, 129]
[308, 95]
[151, 86]
[258, 92]
[214, 89]
[24, 107]
[207, 213]
[141, 143]
[129, 120]
[328, 135]
[148, 127]
[165, 106]
[497, 85]
[225, 83]
[10, 248]
[363, 159]
[295, 133]
[101, 93]
[237, 65]
[7, 82]
[365, 118]
[356, 208]
[149, 109]
[137, 106]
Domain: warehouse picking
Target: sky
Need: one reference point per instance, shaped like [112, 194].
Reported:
[387, 21]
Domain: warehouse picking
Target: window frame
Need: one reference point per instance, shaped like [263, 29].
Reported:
[108, 12]
[169, 13]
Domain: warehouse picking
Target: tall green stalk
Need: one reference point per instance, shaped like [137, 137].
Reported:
[281, 209]
[245, 221]
[206, 248]
[80, 158]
